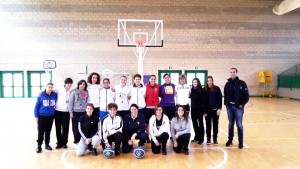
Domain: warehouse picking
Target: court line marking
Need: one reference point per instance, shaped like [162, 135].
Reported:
[270, 123]
[64, 161]
[234, 138]
[288, 114]
[220, 165]
[273, 139]
[225, 159]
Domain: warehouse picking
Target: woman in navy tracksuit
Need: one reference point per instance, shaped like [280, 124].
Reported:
[44, 114]
[213, 106]
[133, 128]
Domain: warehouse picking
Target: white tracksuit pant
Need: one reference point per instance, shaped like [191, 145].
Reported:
[82, 147]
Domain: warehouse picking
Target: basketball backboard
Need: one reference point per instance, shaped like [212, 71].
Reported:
[140, 35]
[131, 32]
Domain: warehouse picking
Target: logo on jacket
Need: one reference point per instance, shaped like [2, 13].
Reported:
[169, 90]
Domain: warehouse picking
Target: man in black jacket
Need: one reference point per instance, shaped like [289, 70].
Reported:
[133, 128]
[236, 95]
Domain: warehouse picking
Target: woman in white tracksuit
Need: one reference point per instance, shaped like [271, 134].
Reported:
[107, 96]
[94, 88]
[122, 96]
[159, 126]
[111, 128]
[138, 93]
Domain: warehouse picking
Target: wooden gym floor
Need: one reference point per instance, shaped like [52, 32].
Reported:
[271, 128]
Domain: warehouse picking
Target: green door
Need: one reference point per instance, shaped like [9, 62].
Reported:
[200, 74]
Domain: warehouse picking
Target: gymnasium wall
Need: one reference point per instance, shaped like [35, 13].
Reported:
[211, 34]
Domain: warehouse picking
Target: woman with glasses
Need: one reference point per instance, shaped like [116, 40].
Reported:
[159, 126]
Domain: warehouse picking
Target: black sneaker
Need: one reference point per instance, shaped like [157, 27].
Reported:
[186, 152]
[200, 143]
[48, 147]
[228, 143]
[164, 152]
[216, 142]
[65, 146]
[208, 142]
[117, 153]
[241, 145]
[38, 149]
[58, 146]
[95, 152]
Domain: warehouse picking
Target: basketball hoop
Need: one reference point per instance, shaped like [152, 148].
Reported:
[139, 43]
[107, 73]
[49, 64]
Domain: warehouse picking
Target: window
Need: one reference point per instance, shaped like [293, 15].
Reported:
[12, 84]
[174, 74]
[37, 81]
[200, 74]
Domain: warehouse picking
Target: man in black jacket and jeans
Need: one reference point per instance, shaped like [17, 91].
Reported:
[236, 95]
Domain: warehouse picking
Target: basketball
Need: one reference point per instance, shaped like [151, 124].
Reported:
[108, 152]
[139, 152]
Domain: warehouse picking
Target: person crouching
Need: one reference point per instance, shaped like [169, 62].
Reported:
[159, 125]
[111, 129]
[88, 128]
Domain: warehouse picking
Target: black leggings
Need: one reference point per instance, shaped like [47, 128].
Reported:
[197, 119]
[183, 143]
[117, 138]
[75, 120]
[212, 117]
[126, 148]
[169, 111]
[163, 138]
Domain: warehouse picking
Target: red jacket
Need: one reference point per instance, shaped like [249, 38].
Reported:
[152, 95]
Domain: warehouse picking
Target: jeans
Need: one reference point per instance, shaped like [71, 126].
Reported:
[235, 114]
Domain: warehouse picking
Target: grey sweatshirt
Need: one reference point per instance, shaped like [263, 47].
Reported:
[180, 127]
[78, 101]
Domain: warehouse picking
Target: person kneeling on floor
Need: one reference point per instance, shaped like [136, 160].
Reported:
[181, 130]
[111, 129]
[159, 126]
[133, 128]
[88, 127]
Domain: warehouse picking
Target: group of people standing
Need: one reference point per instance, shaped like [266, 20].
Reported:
[104, 115]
